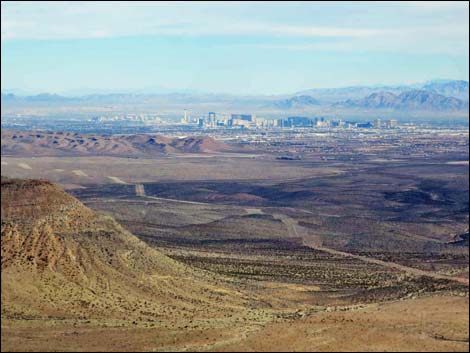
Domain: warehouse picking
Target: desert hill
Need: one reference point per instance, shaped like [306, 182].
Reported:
[28, 143]
[62, 260]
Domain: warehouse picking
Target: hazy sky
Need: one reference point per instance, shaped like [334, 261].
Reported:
[231, 47]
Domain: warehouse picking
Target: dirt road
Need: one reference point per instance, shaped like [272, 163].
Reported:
[298, 231]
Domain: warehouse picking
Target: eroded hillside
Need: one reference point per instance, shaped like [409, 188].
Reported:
[41, 143]
[60, 259]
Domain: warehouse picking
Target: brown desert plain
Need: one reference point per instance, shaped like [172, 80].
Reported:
[155, 243]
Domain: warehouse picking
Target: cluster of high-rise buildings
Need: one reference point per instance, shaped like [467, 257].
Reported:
[213, 120]
[322, 122]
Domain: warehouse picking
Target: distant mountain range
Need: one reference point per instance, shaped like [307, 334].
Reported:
[438, 96]
[432, 96]
[450, 88]
[408, 100]
[296, 102]
[42, 97]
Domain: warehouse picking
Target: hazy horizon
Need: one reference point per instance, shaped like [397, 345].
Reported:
[163, 91]
[228, 47]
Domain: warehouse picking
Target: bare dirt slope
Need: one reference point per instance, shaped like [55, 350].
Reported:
[438, 323]
[60, 259]
[423, 325]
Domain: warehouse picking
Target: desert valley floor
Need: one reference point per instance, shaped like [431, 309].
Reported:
[194, 245]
